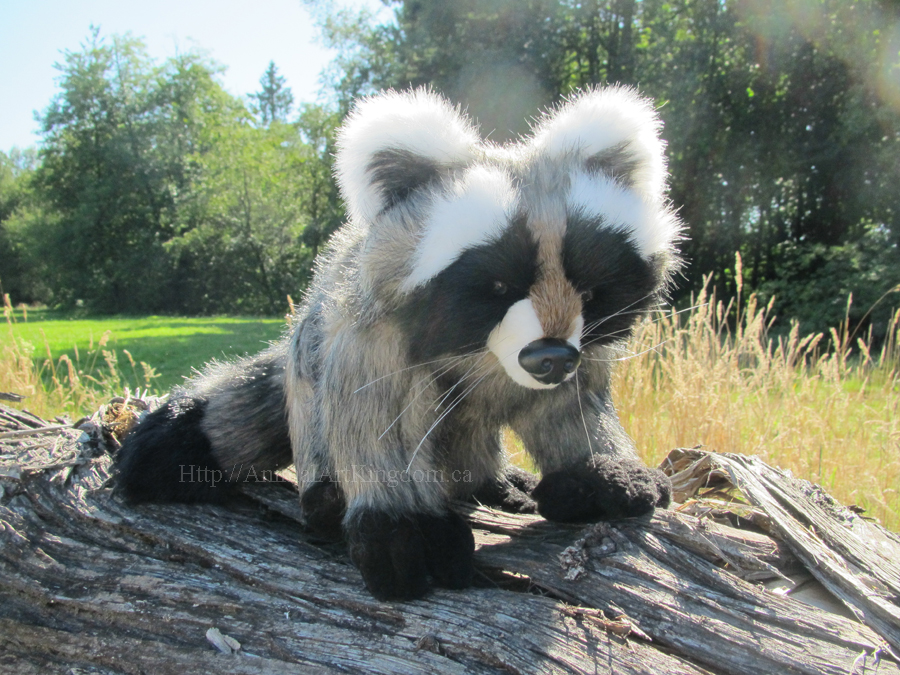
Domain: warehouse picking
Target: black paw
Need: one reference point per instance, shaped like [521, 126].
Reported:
[449, 546]
[602, 488]
[510, 491]
[396, 555]
[324, 507]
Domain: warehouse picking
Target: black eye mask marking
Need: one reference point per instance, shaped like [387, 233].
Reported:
[457, 309]
[616, 283]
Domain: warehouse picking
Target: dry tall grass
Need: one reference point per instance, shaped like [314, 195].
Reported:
[64, 386]
[825, 407]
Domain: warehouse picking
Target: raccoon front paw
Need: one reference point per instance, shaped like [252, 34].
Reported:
[511, 491]
[324, 506]
[396, 555]
[449, 548]
[602, 488]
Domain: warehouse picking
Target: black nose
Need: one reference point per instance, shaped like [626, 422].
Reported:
[549, 360]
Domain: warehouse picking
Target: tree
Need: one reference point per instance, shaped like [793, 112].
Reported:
[157, 192]
[18, 278]
[274, 100]
[815, 282]
[781, 117]
[114, 167]
[320, 203]
[262, 203]
[782, 121]
[240, 247]
[777, 133]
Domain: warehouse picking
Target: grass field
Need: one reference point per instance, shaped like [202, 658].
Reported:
[825, 406]
[78, 356]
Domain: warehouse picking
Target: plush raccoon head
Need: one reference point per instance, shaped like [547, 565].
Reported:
[536, 250]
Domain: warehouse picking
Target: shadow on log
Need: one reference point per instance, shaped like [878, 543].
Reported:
[753, 572]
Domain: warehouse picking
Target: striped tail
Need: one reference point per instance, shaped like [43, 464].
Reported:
[225, 426]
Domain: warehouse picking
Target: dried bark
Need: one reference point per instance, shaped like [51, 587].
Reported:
[88, 582]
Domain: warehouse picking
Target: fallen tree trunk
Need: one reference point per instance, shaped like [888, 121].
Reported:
[721, 584]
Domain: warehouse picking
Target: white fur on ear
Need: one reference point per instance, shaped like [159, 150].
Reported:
[419, 122]
[603, 119]
[651, 229]
[473, 212]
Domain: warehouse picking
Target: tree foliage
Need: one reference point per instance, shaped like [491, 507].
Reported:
[248, 231]
[782, 116]
[17, 209]
[117, 142]
[274, 101]
[155, 190]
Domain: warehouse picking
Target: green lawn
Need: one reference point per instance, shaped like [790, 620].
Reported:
[173, 346]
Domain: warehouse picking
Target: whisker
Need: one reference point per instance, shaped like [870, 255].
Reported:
[596, 324]
[621, 332]
[444, 414]
[417, 365]
[430, 379]
[622, 311]
[440, 371]
[630, 356]
[427, 380]
[654, 319]
[485, 350]
[464, 376]
[456, 402]
[689, 309]
[581, 408]
[649, 311]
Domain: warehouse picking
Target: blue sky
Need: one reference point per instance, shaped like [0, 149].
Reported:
[243, 36]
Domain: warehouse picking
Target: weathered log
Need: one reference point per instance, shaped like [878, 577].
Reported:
[88, 582]
[851, 557]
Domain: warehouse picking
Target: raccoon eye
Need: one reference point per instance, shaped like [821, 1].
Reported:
[587, 296]
[499, 288]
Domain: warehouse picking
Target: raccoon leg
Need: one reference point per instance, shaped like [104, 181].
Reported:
[589, 477]
[398, 525]
[324, 508]
[228, 425]
[601, 488]
[510, 491]
[471, 444]
[397, 549]
[395, 554]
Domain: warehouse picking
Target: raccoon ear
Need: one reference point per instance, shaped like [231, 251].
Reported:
[393, 143]
[615, 132]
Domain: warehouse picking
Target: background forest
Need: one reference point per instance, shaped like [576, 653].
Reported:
[156, 191]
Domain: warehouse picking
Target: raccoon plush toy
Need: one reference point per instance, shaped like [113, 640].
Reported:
[474, 287]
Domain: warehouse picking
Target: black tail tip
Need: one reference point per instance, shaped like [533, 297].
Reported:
[168, 458]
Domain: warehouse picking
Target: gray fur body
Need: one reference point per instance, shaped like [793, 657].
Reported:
[359, 409]
[378, 394]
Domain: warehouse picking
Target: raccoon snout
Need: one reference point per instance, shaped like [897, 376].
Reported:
[549, 360]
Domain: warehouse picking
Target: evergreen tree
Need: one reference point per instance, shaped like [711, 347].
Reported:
[274, 101]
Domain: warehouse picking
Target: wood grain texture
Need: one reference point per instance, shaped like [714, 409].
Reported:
[92, 584]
